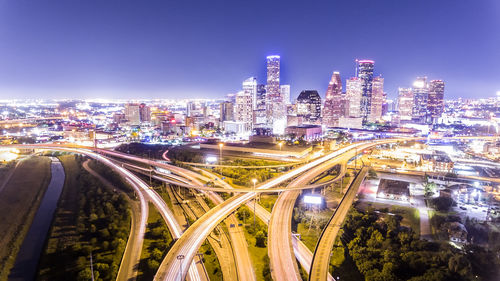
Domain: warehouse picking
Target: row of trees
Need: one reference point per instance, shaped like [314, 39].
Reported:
[384, 250]
[162, 240]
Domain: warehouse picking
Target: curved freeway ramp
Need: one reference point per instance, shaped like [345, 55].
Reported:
[280, 248]
[321, 258]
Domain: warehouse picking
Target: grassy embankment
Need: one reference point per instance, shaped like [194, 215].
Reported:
[89, 219]
[157, 242]
[19, 201]
[257, 243]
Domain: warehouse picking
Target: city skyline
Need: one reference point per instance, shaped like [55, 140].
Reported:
[135, 50]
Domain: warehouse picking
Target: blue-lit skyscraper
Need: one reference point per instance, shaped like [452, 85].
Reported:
[364, 71]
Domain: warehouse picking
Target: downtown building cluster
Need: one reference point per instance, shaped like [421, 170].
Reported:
[423, 103]
[267, 108]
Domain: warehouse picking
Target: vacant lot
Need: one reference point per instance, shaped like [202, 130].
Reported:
[19, 201]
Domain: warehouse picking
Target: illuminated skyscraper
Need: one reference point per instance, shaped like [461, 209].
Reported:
[243, 111]
[275, 107]
[226, 111]
[250, 86]
[377, 99]
[260, 117]
[435, 104]
[132, 113]
[354, 92]
[420, 99]
[285, 94]
[405, 103]
[309, 106]
[333, 107]
[364, 71]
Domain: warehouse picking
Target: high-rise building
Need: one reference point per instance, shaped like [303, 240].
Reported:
[190, 108]
[226, 111]
[285, 94]
[405, 103]
[435, 103]
[420, 99]
[137, 113]
[275, 107]
[333, 107]
[354, 92]
[144, 113]
[250, 86]
[377, 100]
[132, 113]
[243, 111]
[364, 71]
[309, 106]
[260, 117]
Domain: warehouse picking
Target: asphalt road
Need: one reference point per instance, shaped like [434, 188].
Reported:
[321, 259]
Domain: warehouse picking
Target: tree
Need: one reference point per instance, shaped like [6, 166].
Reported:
[153, 265]
[443, 203]
[260, 239]
[156, 254]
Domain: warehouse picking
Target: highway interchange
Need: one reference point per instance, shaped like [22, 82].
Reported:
[180, 260]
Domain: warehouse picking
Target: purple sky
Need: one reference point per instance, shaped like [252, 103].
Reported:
[177, 49]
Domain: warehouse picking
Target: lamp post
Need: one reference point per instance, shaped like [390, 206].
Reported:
[220, 152]
[280, 144]
[180, 258]
[254, 202]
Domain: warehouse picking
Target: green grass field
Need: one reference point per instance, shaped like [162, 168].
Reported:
[411, 217]
[19, 201]
[267, 201]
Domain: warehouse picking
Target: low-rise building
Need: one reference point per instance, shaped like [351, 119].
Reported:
[307, 132]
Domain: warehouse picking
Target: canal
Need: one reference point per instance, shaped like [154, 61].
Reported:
[27, 259]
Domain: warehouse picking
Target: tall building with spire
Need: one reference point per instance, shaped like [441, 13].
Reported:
[333, 106]
[364, 72]
[435, 102]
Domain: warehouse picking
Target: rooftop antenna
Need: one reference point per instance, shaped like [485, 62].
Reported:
[356, 67]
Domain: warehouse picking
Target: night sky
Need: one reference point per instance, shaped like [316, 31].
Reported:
[205, 49]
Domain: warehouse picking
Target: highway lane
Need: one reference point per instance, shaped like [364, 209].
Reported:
[283, 263]
[280, 247]
[142, 190]
[302, 253]
[181, 255]
[238, 241]
[188, 244]
[321, 259]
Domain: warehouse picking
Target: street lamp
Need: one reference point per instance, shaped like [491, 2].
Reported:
[220, 152]
[280, 144]
[254, 202]
[180, 258]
